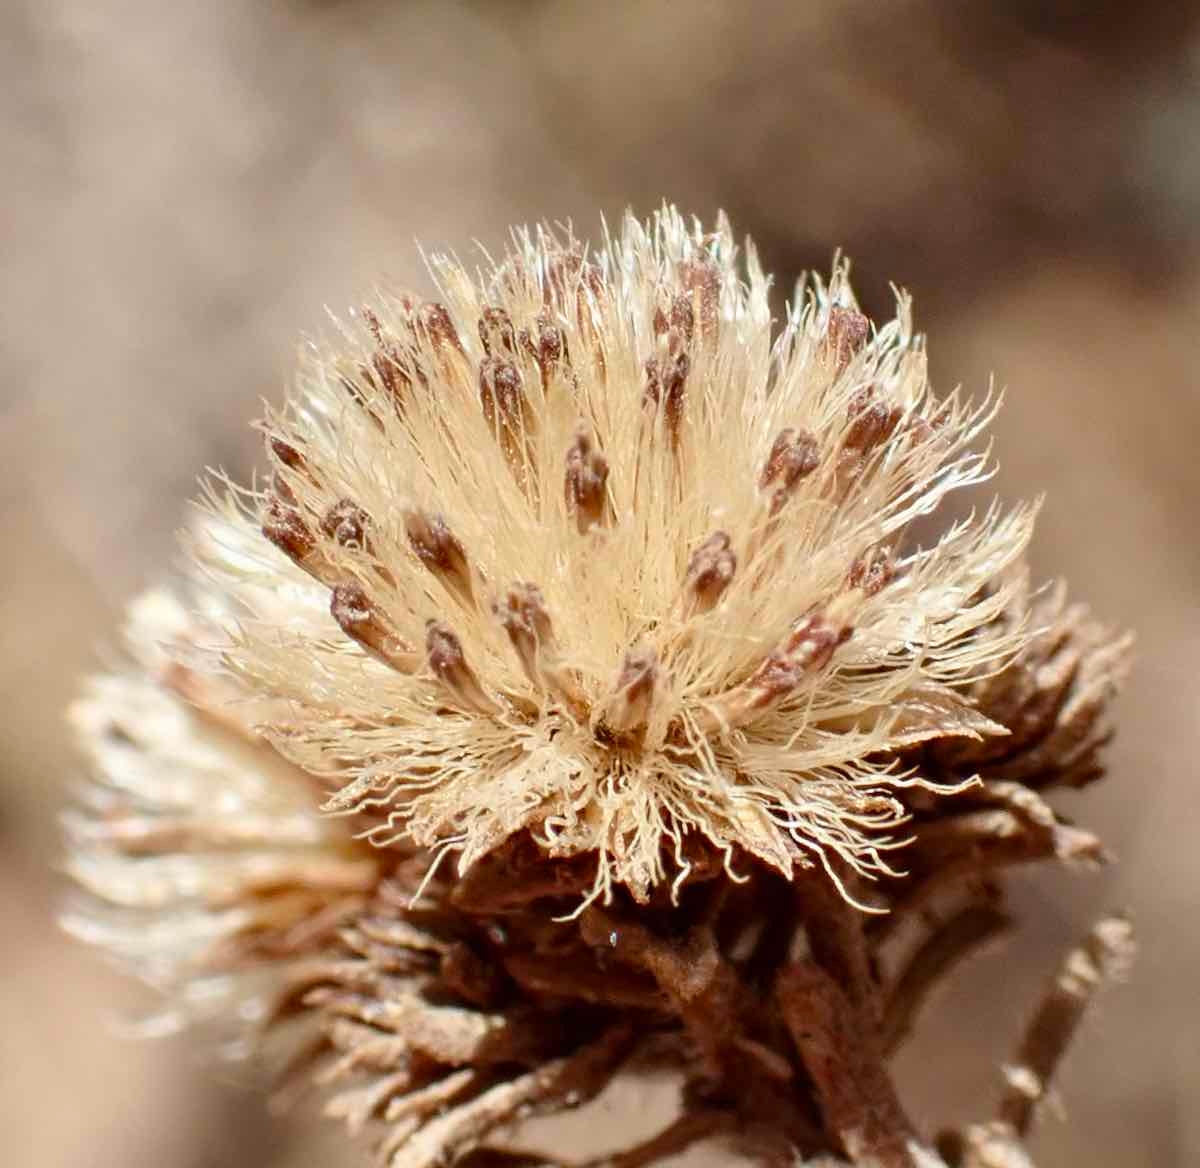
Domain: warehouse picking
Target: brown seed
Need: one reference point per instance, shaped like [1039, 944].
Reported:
[563, 271]
[435, 323]
[666, 379]
[545, 345]
[871, 421]
[440, 550]
[794, 455]
[390, 372]
[361, 620]
[813, 640]
[282, 489]
[701, 280]
[710, 571]
[683, 321]
[286, 457]
[355, 391]
[391, 367]
[590, 303]
[285, 453]
[872, 571]
[526, 620]
[502, 396]
[585, 485]
[444, 652]
[496, 332]
[284, 526]
[346, 523]
[846, 335]
[635, 689]
[805, 651]
[677, 323]
[500, 390]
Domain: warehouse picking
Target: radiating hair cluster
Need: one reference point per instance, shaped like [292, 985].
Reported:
[582, 550]
[588, 576]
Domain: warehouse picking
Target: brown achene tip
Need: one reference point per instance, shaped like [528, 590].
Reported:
[585, 485]
[794, 455]
[634, 690]
[434, 321]
[873, 571]
[347, 524]
[847, 335]
[523, 614]
[362, 621]
[710, 571]
[285, 527]
[448, 662]
[872, 422]
[285, 453]
[440, 550]
[666, 388]
[496, 332]
[545, 345]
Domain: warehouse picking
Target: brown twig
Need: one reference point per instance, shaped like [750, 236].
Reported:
[1104, 955]
[837, 941]
[566, 1081]
[690, 1128]
[862, 1116]
[973, 846]
[952, 942]
[693, 974]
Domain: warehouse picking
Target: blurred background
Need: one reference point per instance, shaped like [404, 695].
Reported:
[187, 185]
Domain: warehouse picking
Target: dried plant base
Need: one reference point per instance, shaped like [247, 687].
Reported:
[775, 1004]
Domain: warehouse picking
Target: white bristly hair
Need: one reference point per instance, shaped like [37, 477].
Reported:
[585, 551]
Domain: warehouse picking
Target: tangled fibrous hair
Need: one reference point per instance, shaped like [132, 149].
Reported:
[572, 697]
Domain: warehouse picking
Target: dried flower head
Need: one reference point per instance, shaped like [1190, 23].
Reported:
[584, 552]
[582, 579]
[200, 857]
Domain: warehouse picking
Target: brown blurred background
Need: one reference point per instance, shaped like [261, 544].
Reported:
[186, 185]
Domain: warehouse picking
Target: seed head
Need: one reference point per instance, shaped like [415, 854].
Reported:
[583, 577]
[591, 556]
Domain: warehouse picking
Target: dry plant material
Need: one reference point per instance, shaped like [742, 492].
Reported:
[570, 702]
